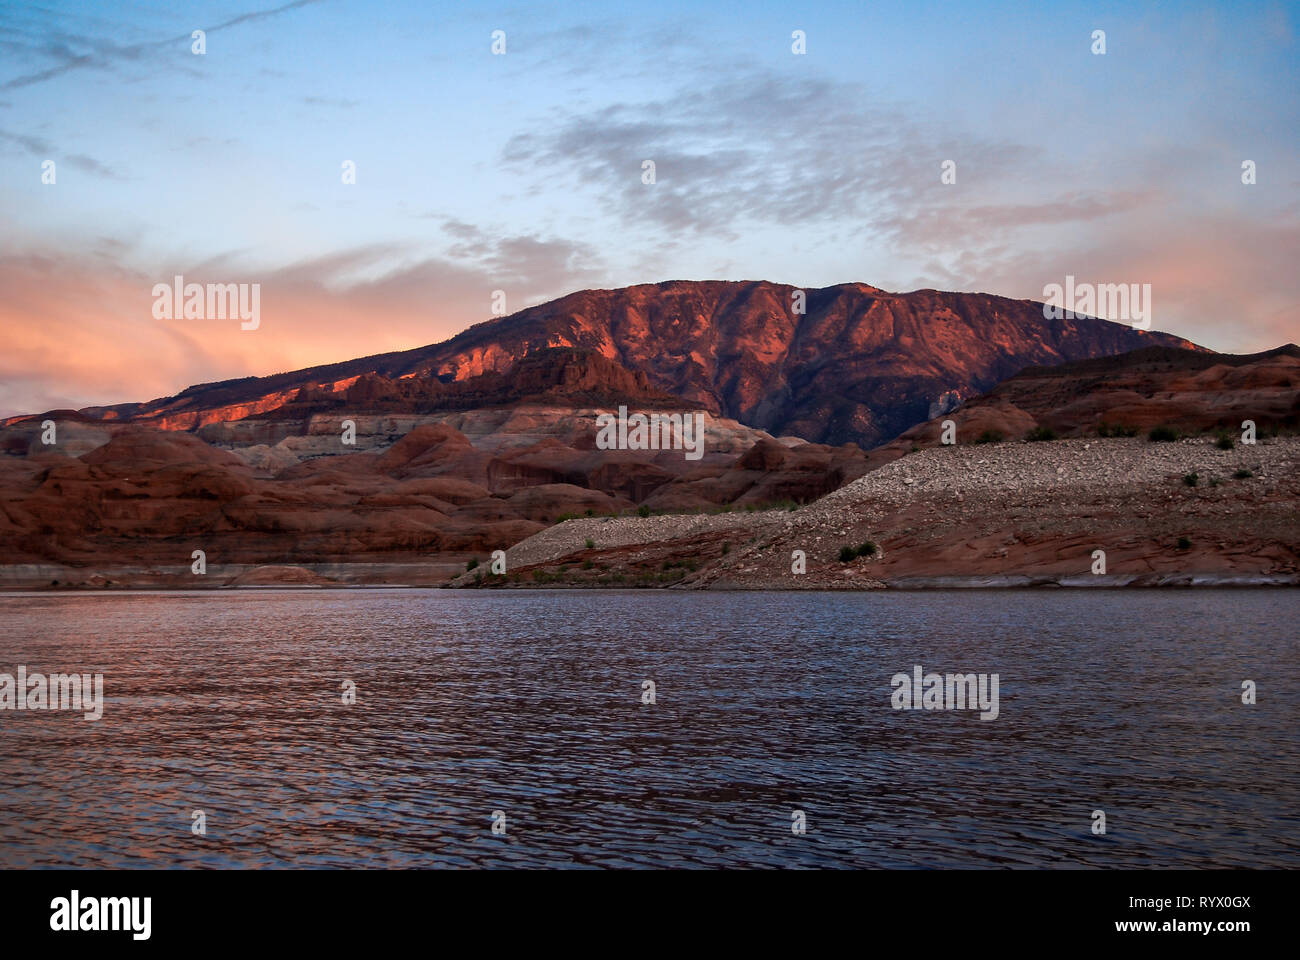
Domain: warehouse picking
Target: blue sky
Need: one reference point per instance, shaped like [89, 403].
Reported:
[522, 172]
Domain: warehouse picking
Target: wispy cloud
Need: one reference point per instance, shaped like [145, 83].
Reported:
[760, 150]
[39, 147]
[33, 145]
[340, 102]
[71, 52]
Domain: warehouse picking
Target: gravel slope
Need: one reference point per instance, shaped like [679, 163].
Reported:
[988, 513]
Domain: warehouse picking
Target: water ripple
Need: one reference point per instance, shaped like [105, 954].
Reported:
[530, 704]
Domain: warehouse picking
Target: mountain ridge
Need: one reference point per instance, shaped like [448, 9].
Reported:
[860, 364]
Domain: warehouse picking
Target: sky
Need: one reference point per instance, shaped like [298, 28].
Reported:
[523, 171]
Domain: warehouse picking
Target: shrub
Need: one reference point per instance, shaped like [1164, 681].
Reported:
[1105, 429]
[726, 549]
[1242, 474]
[587, 564]
[471, 565]
[915, 449]
[1041, 433]
[1162, 434]
[1184, 543]
[590, 543]
[643, 511]
[785, 503]
[1224, 442]
[990, 436]
[1191, 479]
[867, 548]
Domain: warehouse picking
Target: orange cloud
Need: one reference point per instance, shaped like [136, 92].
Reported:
[81, 332]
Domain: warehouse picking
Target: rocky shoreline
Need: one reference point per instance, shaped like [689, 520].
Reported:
[1184, 513]
[410, 577]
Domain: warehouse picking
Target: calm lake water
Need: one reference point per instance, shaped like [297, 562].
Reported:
[529, 703]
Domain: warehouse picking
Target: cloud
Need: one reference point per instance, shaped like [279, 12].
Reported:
[526, 261]
[91, 165]
[43, 149]
[33, 145]
[937, 226]
[340, 102]
[772, 152]
[97, 342]
[77, 52]
[763, 150]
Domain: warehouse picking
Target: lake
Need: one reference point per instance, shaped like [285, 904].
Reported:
[524, 710]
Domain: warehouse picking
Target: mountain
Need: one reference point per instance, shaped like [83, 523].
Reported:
[478, 443]
[859, 365]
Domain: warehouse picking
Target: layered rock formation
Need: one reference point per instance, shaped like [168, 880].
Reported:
[490, 461]
[1185, 391]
